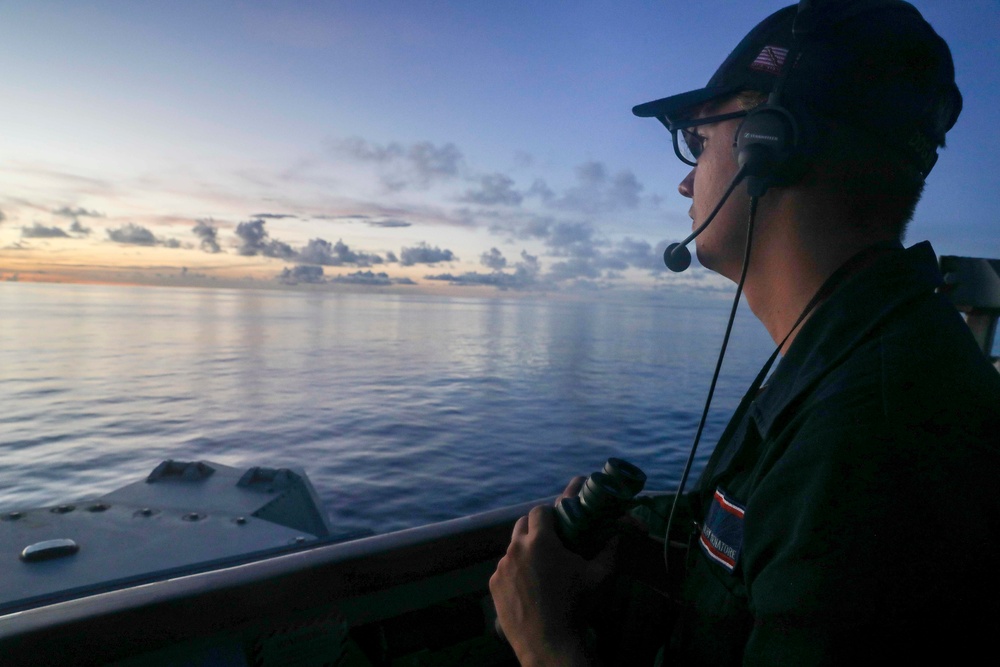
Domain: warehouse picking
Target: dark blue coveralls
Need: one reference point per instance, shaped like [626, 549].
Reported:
[851, 511]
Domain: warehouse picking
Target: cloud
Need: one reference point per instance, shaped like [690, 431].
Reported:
[525, 276]
[133, 234]
[348, 216]
[537, 228]
[252, 236]
[3, 217]
[624, 190]
[424, 254]
[575, 239]
[273, 216]
[523, 159]
[78, 212]
[599, 192]
[528, 262]
[301, 274]
[311, 274]
[432, 161]
[578, 249]
[530, 226]
[471, 278]
[418, 165]
[592, 174]
[188, 273]
[588, 259]
[364, 151]
[494, 189]
[63, 179]
[638, 254]
[389, 223]
[278, 249]
[318, 251]
[541, 190]
[581, 252]
[391, 257]
[76, 228]
[254, 240]
[493, 259]
[37, 231]
[575, 267]
[364, 278]
[208, 236]
[367, 219]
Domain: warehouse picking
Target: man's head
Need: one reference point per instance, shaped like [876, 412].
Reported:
[872, 95]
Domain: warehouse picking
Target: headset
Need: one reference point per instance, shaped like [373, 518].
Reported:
[775, 140]
[769, 141]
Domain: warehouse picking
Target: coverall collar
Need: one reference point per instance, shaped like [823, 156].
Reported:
[843, 321]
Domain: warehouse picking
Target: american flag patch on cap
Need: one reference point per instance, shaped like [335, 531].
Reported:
[770, 59]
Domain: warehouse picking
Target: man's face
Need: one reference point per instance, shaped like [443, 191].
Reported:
[720, 247]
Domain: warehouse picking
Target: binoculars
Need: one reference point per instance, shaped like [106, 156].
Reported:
[586, 521]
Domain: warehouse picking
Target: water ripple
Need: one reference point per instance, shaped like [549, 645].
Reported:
[402, 410]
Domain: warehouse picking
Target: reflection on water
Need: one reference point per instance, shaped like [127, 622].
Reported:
[402, 409]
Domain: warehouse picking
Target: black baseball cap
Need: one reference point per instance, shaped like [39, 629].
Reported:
[874, 64]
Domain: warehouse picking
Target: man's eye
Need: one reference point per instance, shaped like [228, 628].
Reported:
[695, 144]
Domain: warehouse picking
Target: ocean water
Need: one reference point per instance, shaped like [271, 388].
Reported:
[402, 409]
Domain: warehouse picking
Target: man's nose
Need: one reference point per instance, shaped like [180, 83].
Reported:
[686, 187]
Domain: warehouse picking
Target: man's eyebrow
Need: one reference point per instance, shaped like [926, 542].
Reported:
[698, 112]
[710, 108]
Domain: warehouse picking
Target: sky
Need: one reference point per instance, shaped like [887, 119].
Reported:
[476, 147]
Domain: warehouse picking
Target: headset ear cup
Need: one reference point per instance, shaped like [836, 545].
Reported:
[767, 144]
[801, 158]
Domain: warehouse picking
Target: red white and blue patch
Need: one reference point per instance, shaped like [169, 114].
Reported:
[722, 532]
[770, 60]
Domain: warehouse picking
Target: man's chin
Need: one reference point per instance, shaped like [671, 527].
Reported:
[712, 262]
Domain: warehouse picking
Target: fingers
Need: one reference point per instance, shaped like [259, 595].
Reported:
[540, 518]
[573, 488]
[520, 527]
[527, 528]
[540, 515]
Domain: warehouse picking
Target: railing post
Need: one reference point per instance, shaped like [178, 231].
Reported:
[973, 285]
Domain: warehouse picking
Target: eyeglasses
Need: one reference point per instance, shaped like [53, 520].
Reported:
[690, 145]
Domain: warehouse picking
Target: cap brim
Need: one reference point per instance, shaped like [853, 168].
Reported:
[673, 106]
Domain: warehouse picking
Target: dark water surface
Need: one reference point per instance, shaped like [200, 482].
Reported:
[402, 409]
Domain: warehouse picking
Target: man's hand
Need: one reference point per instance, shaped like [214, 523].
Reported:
[541, 591]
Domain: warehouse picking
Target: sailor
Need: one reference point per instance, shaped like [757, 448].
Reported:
[850, 512]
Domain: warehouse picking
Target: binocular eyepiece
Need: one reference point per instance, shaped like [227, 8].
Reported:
[585, 522]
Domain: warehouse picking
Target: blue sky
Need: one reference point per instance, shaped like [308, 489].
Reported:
[393, 143]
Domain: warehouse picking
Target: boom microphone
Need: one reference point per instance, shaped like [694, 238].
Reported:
[677, 257]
